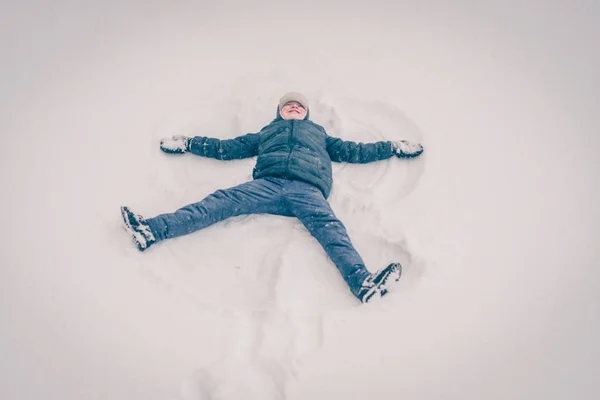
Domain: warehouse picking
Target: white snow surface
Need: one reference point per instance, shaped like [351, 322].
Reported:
[496, 224]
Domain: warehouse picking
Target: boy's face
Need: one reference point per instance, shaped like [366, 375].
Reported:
[293, 110]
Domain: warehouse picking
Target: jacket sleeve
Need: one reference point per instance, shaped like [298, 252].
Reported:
[230, 149]
[358, 153]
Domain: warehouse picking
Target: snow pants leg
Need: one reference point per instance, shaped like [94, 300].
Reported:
[261, 196]
[308, 204]
[271, 196]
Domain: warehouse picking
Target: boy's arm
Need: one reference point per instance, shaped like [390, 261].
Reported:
[347, 151]
[229, 149]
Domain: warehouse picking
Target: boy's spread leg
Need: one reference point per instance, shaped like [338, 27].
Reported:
[256, 197]
[308, 204]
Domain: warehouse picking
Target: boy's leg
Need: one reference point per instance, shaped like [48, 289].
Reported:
[308, 204]
[255, 197]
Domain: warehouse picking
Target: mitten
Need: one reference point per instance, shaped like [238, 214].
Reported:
[175, 145]
[406, 149]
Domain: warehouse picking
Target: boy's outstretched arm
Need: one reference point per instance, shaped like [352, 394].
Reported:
[347, 151]
[229, 149]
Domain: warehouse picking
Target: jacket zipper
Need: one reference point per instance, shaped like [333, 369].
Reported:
[287, 165]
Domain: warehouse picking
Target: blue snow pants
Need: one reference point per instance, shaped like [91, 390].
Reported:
[271, 196]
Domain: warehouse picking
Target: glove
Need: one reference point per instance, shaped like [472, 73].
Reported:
[175, 145]
[406, 149]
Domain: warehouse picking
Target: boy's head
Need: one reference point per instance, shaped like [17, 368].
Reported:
[293, 105]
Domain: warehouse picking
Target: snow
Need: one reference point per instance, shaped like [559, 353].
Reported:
[496, 224]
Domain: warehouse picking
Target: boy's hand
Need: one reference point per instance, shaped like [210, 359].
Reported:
[406, 149]
[175, 145]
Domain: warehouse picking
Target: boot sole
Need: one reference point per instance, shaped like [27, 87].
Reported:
[138, 238]
[381, 281]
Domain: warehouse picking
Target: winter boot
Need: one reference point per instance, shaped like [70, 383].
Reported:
[138, 228]
[376, 284]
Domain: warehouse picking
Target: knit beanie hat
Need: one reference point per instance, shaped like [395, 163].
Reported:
[293, 96]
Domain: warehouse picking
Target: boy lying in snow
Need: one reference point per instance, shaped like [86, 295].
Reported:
[292, 177]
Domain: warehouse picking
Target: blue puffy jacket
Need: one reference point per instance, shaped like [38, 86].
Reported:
[292, 149]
